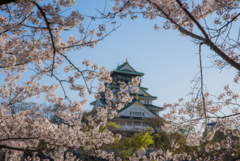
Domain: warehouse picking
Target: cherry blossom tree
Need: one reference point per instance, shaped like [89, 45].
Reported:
[30, 36]
[210, 23]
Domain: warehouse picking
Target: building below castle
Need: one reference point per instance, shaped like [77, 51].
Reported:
[131, 116]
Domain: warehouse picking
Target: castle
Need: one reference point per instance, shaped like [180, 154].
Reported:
[131, 116]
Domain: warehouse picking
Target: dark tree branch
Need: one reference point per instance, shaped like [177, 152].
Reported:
[205, 40]
[201, 72]
[50, 31]
[229, 22]
[180, 28]
[2, 2]
[194, 20]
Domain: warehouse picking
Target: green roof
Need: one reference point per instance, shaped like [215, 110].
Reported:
[101, 99]
[142, 96]
[93, 103]
[153, 107]
[144, 88]
[133, 72]
[124, 64]
[127, 72]
[146, 92]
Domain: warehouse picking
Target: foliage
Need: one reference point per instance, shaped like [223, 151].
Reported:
[164, 141]
[127, 146]
[161, 141]
[124, 154]
[112, 126]
[140, 140]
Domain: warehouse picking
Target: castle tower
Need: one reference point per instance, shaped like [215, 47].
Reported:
[130, 117]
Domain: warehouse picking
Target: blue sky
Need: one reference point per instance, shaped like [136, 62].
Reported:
[169, 61]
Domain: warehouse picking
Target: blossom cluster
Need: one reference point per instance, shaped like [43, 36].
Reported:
[30, 36]
[173, 11]
[30, 40]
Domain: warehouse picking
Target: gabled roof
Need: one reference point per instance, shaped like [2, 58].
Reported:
[127, 72]
[144, 97]
[119, 69]
[101, 100]
[123, 65]
[146, 93]
[145, 89]
[93, 102]
[150, 107]
[128, 105]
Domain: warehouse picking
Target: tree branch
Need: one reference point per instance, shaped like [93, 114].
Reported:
[194, 20]
[205, 40]
[180, 28]
[229, 21]
[2, 2]
[20, 149]
[50, 32]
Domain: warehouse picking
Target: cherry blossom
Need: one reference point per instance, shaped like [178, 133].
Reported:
[30, 36]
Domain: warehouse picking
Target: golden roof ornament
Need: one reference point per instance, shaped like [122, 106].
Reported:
[118, 64]
[120, 81]
[126, 61]
[137, 97]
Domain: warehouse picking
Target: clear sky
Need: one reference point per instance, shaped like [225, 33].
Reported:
[169, 61]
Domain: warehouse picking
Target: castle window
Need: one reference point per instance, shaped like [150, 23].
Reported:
[137, 123]
[144, 124]
[129, 123]
[137, 113]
